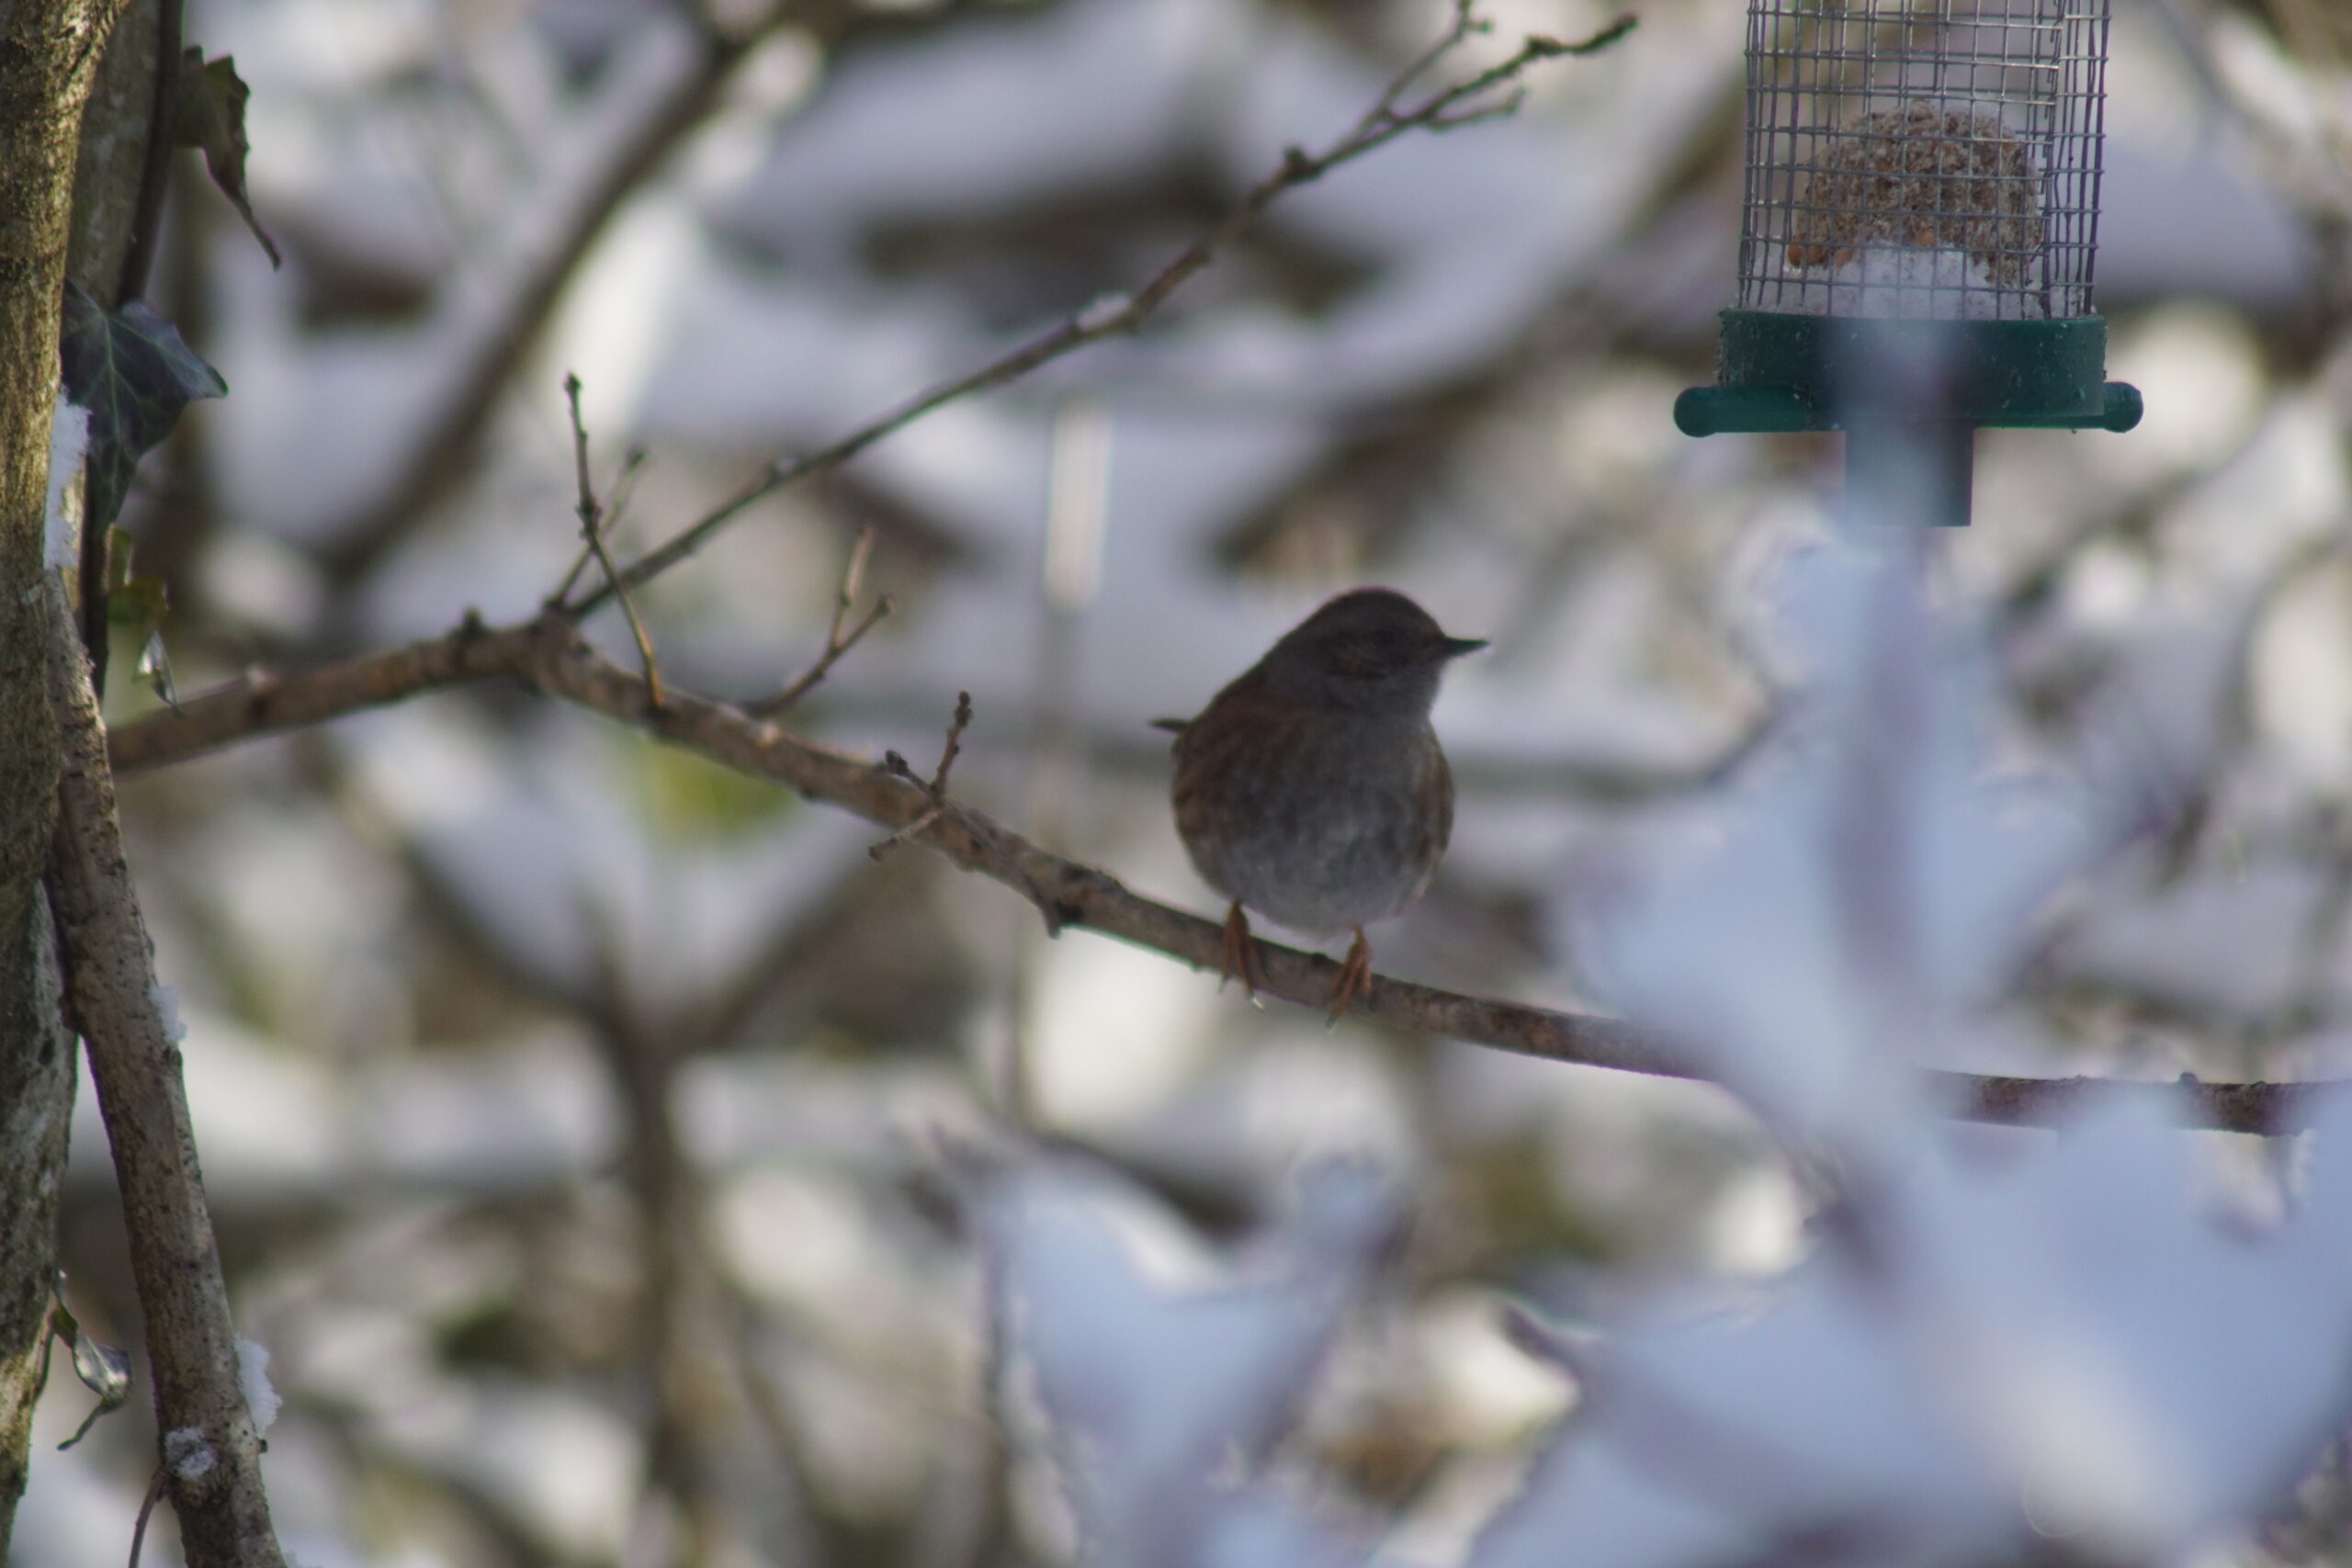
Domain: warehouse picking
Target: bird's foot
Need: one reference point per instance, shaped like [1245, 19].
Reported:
[1355, 977]
[1238, 961]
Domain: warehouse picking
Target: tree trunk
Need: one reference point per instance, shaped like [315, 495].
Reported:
[50, 52]
[47, 63]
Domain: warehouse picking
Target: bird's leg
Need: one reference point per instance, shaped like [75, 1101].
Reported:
[1237, 961]
[1355, 976]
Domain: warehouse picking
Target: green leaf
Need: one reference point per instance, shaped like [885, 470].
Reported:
[140, 602]
[130, 369]
[212, 120]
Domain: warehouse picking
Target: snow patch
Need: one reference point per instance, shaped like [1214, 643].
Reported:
[166, 1002]
[252, 1380]
[187, 1452]
[1103, 310]
[69, 438]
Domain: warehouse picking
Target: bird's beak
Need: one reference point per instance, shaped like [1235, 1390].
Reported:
[1455, 646]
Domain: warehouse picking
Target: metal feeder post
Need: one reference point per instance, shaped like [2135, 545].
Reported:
[1917, 239]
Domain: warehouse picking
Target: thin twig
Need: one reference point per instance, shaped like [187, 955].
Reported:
[955, 747]
[1465, 25]
[624, 487]
[155, 174]
[895, 766]
[1447, 109]
[146, 1512]
[836, 642]
[590, 530]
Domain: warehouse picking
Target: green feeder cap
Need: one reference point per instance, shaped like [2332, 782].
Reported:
[1779, 372]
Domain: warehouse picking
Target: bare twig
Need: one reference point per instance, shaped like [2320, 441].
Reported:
[549, 656]
[1467, 24]
[624, 487]
[162, 141]
[1446, 109]
[955, 747]
[895, 766]
[146, 1511]
[210, 1446]
[837, 642]
[591, 532]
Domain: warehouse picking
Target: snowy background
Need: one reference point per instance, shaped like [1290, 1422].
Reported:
[610, 1154]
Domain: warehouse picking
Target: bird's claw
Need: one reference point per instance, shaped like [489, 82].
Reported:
[1238, 959]
[1355, 977]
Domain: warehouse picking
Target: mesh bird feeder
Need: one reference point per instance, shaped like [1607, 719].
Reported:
[1920, 218]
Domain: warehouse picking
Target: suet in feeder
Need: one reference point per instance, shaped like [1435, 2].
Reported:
[1916, 238]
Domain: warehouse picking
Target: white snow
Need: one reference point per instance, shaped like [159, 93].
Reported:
[69, 438]
[252, 1380]
[187, 1452]
[166, 1002]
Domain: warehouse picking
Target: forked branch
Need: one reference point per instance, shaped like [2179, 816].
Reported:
[838, 640]
[592, 533]
[895, 766]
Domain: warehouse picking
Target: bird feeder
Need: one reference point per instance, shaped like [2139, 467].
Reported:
[1917, 239]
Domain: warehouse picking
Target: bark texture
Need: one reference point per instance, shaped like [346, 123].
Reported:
[49, 53]
[111, 158]
[211, 1454]
[36, 1109]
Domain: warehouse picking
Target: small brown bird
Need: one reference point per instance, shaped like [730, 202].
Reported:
[1312, 789]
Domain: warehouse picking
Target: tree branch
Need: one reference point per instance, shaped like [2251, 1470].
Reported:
[549, 656]
[1445, 109]
[208, 1442]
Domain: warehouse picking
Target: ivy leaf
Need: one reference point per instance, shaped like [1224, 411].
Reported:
[130, 370]
[212, 120]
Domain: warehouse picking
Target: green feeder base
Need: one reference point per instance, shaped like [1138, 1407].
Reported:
[1910, 394]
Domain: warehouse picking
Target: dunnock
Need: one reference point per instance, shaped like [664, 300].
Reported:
[1312, 789]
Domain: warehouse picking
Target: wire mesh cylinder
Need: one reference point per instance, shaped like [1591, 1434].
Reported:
[1934, 159]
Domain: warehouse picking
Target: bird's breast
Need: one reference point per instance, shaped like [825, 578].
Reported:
[1318, 820]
